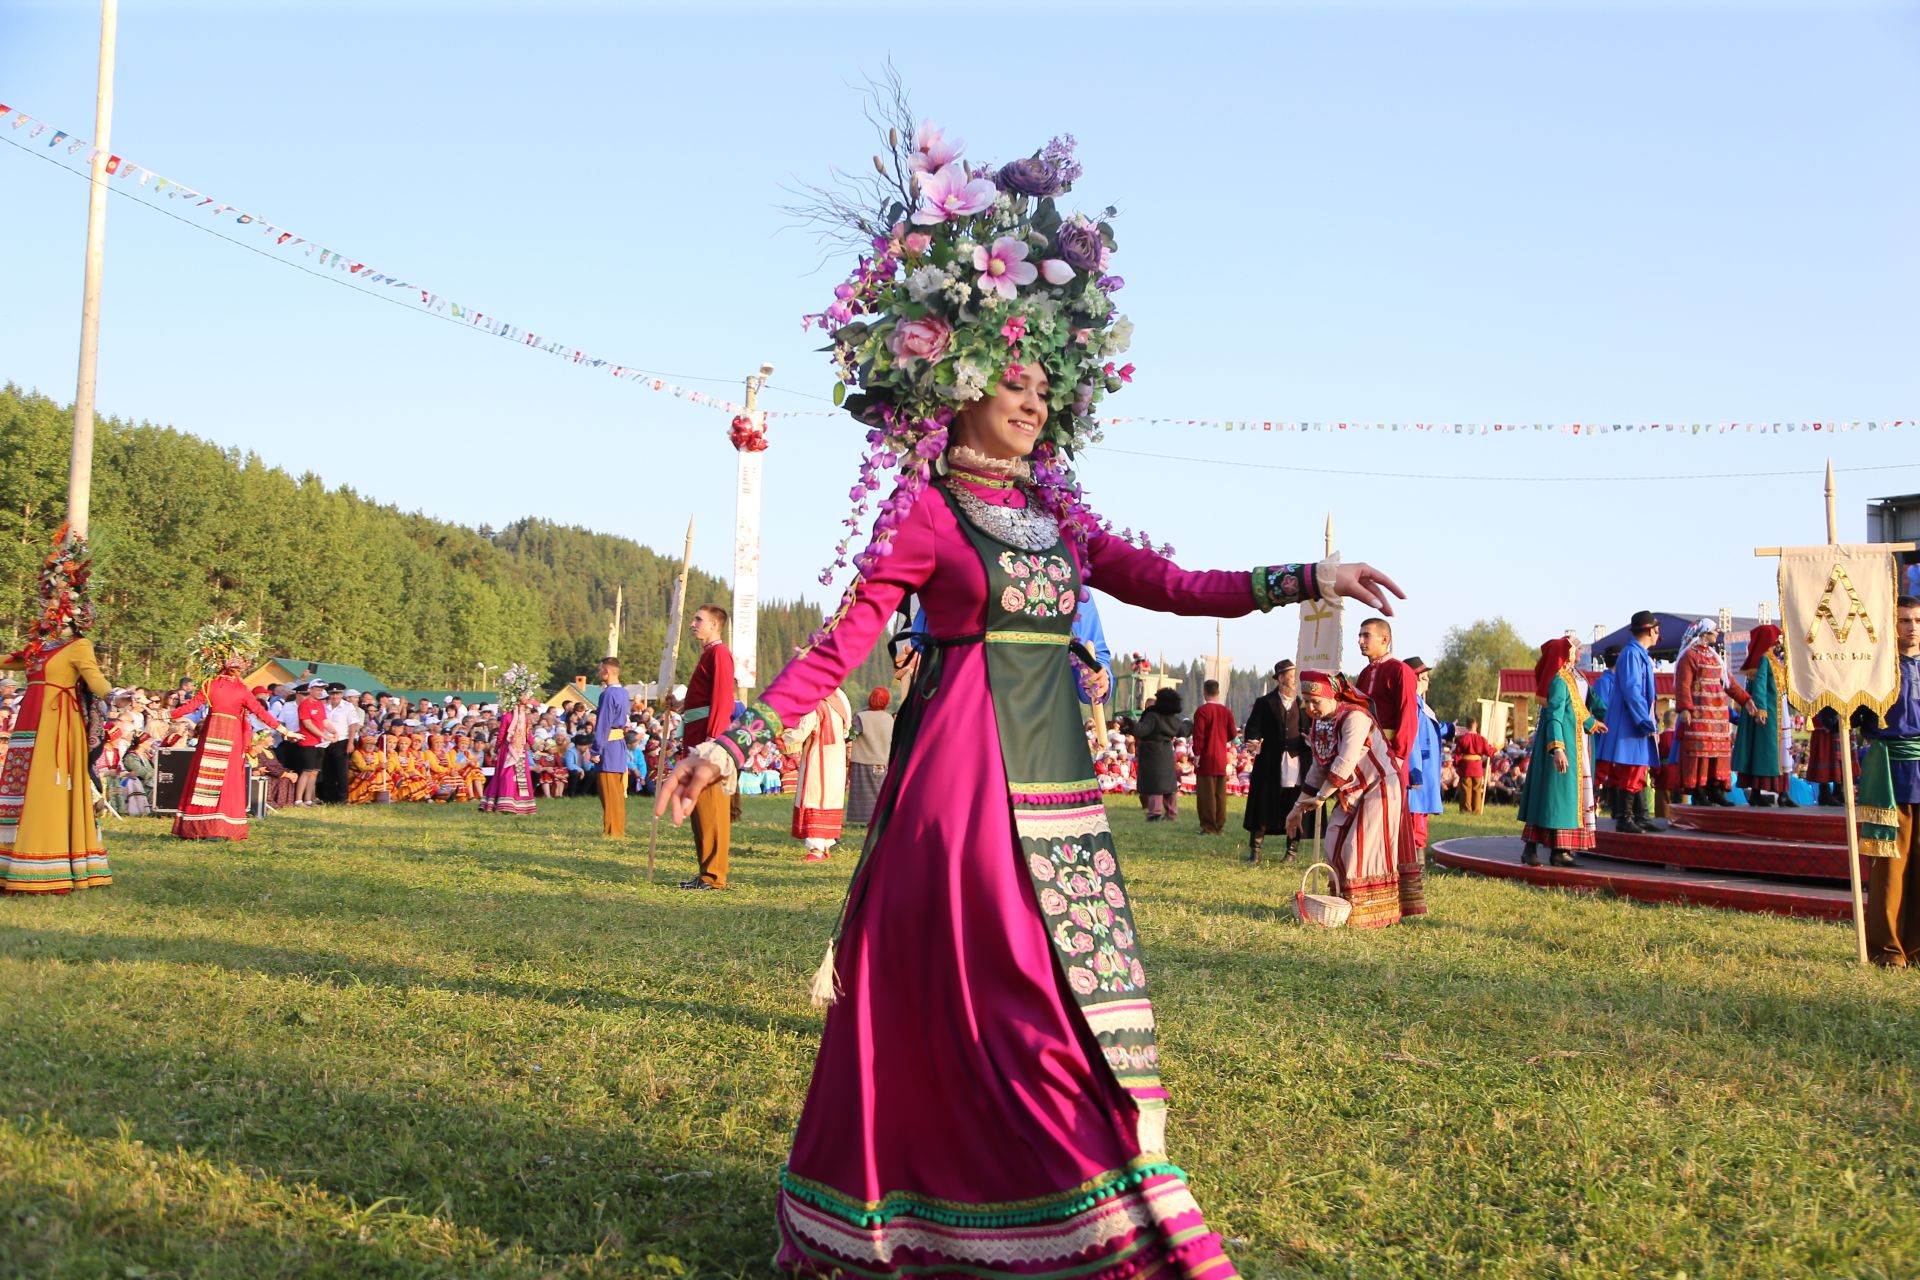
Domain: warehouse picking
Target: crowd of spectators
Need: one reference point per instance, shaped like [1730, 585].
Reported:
[1117, 767]
[454, 743]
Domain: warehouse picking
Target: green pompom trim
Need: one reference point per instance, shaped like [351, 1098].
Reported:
[907, 1204]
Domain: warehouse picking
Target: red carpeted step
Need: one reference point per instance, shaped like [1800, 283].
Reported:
[1697, 850]
[1499, 857]
[1809, 826]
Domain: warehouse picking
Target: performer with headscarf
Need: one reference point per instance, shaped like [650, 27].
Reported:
[214, 804]
[1560, 769]
[367, 780]
[820, 792]
[987, 1100]
[1756, 743]
[1706, 718]
[49, 836]
[1369, 839]
[510, 789]
[870, 745]
[1823, 756]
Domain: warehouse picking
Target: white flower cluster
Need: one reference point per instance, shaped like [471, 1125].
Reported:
[927, 281]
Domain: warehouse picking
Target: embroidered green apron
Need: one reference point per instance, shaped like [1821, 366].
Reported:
[1058, 815]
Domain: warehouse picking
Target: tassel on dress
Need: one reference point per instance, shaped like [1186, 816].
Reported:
[825, 988]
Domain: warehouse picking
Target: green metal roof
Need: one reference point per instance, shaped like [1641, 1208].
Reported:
[472, 697]
[296, 669]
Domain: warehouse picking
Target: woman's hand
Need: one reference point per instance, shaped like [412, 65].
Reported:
[1097, 683]
[1758, 713]
[1368, 585]
[683, 786]
[1599, 727]
[1559, 760]
[1294, 820]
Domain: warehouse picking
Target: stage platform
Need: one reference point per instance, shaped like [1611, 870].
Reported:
[1813, 826]
[1499, 856]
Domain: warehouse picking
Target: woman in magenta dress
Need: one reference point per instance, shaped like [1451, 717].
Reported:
[986, 1100]
[214, 804]
[510, 789]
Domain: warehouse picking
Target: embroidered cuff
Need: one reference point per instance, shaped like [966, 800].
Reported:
[1556, 746]
[1278, 584]
[756, 725]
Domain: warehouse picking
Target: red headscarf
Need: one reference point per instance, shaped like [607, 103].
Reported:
[1335, 686]
[878, 700]
[1553, 656]
[1759, 644]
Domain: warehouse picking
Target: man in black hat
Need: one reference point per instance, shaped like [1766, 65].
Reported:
[1279, 723]
[1633, 733]
[343, 722]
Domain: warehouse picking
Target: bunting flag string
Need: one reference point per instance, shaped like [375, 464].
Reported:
[1518, 429]
[404, 291]
[358, 270]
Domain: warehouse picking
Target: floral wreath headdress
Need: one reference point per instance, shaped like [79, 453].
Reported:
[519, 683]
[968, 275]
[62, 589]
[222, 643]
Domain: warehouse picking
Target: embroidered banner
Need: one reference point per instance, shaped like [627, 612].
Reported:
[1836, 610]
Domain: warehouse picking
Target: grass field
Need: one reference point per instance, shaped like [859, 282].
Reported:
[428, 1042]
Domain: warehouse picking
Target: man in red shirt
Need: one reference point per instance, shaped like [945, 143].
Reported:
[1470, 754]
[709, 710]
[1391, 687]
[1212, 731]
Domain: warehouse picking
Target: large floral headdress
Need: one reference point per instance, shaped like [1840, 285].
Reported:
[519, 683]
[223, 643]
[969, 275]
[973, 275]
[64, 601]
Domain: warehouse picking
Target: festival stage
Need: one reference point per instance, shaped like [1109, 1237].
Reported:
[1648, 879]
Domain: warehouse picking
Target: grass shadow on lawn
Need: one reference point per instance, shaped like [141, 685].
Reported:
[500, 1167]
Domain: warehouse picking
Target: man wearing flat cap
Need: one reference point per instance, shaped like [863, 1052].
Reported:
[1633, 734]
[1279, 723]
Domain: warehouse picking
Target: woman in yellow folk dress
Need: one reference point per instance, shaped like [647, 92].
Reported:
[367, 773]
[49, 837]
[413, 782]
[448, 785]
[466, 762]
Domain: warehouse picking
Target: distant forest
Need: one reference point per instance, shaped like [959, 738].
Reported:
[184, 530]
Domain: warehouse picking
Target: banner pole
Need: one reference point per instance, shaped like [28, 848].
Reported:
[1846, 777]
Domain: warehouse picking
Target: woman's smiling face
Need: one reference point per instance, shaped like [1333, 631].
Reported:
[1007, 423]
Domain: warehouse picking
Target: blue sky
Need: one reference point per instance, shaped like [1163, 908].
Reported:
[1689, 212]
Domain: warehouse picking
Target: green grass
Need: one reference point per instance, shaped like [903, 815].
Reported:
[426, 1042]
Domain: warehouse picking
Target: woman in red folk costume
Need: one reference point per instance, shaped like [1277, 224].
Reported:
[1368, 837]
[987, 1099]
[1701, 696]
[214, 806]
[49, 836]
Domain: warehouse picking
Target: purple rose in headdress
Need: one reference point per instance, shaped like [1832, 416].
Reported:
[1030, 177]
[1079, 243]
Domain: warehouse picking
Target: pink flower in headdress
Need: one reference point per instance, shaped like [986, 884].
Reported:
[950, 195]
[1014, 330]
[917, 243]
[1056, 270]
[924, 339]
[1004, 267]
[931, 150]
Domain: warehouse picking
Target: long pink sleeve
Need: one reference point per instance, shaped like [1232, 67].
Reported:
[1152, 581]
[817, 670]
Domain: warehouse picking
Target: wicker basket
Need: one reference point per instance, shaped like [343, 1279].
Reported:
[1324, 909]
